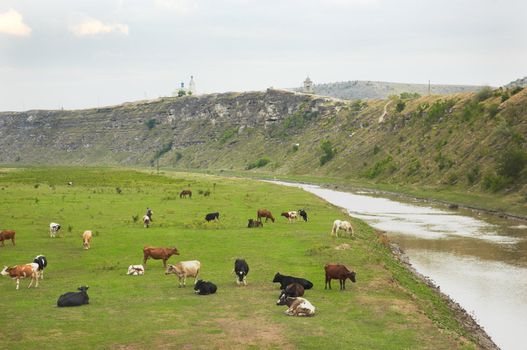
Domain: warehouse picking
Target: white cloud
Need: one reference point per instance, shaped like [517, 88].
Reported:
[179, 6]
[92, 26]
[11, 22]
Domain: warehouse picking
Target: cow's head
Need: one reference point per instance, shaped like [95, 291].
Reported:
[5, 271]
[282, 298]
[351, 276]
[174, 251]
[170, 269]
[277, 277]
[83, 288]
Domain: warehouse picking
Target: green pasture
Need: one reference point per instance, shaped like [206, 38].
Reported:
[386, 309]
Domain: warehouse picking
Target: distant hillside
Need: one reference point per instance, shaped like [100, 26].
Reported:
[380, 89]
[521, 82]
[466, 142]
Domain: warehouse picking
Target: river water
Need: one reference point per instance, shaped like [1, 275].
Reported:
[479, 260]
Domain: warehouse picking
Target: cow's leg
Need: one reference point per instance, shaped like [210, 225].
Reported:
[13, 240]
[17, 283]
[144, 259]
[165, 263]
[244, 280]
[180, 285]
[35, 277]
[42, 274]
[184, 280]
[3, 244]
[344, 284]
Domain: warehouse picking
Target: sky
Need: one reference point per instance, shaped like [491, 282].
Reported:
[90, 53]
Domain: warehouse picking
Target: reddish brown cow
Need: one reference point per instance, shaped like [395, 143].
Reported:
[158, 253]
[6, 235]
[264, 213]
[340, 272]
[185, 193]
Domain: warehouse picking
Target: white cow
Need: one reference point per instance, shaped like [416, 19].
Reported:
[341, 225]
[136, 270]
[299, 307]
[184, 269]
[146, 221]
[53, 229]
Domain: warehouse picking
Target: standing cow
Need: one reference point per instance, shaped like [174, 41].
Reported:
[42, 262]
[158, 253]
[74, 298]
[264, 213]
[86, 239]
[341, 225]
[340, 272]
[7, 235]
[241, 269]
[184, 269]
[303, 214]
[212, 216]
[53, 229]
[22, 271]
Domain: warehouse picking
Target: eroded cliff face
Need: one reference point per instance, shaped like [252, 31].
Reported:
[139, 133]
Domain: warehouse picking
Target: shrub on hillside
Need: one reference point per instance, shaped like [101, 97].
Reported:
[258, 164]
[472, 110]
[494, 183]
[409, 95]
[473, 175]
[329, 152]
[512, 162]
[399, 107]
[483, 94]
[151, 123]
[439, 110]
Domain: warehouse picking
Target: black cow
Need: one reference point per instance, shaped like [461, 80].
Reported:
[291, 291]
[74, 298]
[303, 214]
[42, 263]
[287, 280]
[241, 268]
[212, 216]
[204, 288]
[254, 223]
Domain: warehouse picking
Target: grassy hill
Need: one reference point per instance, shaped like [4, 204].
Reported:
[388, 308]
[470, 144]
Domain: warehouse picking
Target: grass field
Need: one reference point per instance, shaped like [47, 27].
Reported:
[386, 309]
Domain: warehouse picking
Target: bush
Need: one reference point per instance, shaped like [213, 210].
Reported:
[512, 162]
[227, 134]
[472, 110]
[473, 175]
[329, 152]
[409, 95]
[438, 110]
[376, 149]
[258, 164]
[483, 94]
[516, 90]
[492, 110]
[295, 147]
[399, 107]
[494, 183]
[151, 123]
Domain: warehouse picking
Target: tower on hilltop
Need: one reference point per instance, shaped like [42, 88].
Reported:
[308, 86]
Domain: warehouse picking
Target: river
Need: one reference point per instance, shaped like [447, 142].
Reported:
[479, 260]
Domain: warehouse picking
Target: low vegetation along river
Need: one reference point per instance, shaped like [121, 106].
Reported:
[479, 260]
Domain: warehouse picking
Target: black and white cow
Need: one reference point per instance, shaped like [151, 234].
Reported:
[212, 216]
[204, 288]
[241, 269]
[74, 298]
[303, 214]
[53, 229]
[42, 263]
[287, 280]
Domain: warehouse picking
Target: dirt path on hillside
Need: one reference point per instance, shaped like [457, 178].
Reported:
[381, 118]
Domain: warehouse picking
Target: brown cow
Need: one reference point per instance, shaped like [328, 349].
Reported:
[86, 239]
[6, 235]
[290, 215]
[264, 213]
[340, 272]
[21, 271]
[185, 193]
[159, 253]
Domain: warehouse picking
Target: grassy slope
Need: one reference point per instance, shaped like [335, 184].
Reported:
[386, 308]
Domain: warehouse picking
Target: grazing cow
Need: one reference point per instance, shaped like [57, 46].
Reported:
[184, 269]
[341, 225]
[185, 193]
[290, 215]
[298, 307]
[53, 229]
[86, 239]
[22, 271]
[42, 262]
[291, 291]
[7, 235]
[146, 221]
[264, 213]
[70, 183]
[340, 272]
[159, 253]
[254, 223]
[241, 269]
[212, 216]
[287, 280]
[204, 288]
[136, 270]
[303, 214]
[74, 298]
[149, 213]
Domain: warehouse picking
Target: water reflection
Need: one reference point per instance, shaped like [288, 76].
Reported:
[479, 260]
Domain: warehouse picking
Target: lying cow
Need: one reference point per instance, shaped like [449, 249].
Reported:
[298, 307]
[204, 288]
[291, 291]
[340, 272]
[159, 253]
[53, 229]
[241, 269]
[86, 239]
[212, 216]
[184, 269]
[287, 280]
[74, 298]
[303, 214]
[7, 235]
[22, 271]
[136, 270]
[42, 262]
[290, 215]
[254, 223]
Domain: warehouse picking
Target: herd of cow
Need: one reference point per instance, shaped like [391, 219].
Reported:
[292, 288]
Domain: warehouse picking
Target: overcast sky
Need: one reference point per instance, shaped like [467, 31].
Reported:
[76, 54]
